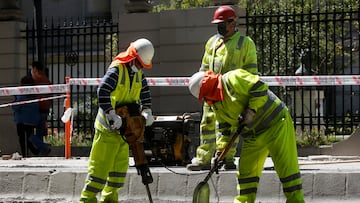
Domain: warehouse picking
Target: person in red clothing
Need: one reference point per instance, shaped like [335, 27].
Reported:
[38, 74]
[26, 117]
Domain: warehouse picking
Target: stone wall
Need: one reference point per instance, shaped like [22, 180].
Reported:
[12, 68]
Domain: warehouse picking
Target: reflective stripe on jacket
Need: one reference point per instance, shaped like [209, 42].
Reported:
[239, 52]
[123, 94]
[245, 90]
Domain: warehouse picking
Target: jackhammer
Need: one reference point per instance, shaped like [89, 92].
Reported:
[133, 129]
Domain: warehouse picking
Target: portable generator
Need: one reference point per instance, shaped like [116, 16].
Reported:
[172, 140]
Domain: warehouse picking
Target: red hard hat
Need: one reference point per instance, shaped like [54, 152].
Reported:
[223, 13]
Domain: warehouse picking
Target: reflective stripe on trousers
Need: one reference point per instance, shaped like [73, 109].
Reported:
[206, 149]
[209, 140]
[279, 141]
[108, 165]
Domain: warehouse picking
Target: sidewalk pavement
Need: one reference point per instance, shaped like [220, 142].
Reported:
[56, 179]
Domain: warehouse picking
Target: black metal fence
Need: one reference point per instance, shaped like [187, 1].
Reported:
[78, 49]
[310, 39]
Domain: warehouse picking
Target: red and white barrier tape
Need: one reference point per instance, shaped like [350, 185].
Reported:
[320, 80]
[85, 81]
[152, 81]
[31, 101]
[39, 89]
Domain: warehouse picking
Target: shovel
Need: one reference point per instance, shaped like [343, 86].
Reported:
[202, 190]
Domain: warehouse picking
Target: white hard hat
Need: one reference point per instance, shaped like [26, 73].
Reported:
[145, 51]
[195, 83]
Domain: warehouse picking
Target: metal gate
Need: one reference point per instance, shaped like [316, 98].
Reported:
[77, 49]
[310, 38]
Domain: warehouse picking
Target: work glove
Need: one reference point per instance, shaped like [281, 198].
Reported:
[247, 116]
[145, 173]
[67, 115]
[217, 162]
[115, 120]
[149, 119]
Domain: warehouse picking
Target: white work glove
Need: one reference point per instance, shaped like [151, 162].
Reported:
[149, 119]
[115, 120]
[247, 116]
[67, 115]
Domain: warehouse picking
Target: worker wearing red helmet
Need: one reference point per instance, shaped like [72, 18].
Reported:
[124, 84]
[225, 51]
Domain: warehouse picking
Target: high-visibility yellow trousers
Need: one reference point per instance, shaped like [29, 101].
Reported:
[208, 139]
[279, 141]
[108, 165]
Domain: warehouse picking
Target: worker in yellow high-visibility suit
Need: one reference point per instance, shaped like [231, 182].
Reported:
[225, 51]
[269, 129]
[123, 84]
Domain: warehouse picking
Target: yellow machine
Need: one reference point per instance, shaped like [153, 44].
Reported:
[171, 139]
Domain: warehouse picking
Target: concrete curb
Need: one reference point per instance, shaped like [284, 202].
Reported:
[61, 180]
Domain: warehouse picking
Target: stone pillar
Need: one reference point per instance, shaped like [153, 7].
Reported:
[9, 10]
[12, 68]
[138, 6]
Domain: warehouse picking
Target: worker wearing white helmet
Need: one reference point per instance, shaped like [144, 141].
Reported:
[268, 129]
[124, 109]
[227, 50]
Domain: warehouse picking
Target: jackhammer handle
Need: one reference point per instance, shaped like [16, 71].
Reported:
[145, 173]
[148, 193]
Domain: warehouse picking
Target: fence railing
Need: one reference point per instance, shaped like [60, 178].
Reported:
[308, 39]
[76, 47]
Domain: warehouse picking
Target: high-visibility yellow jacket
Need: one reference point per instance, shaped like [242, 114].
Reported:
[123, 94]
[239, 52]
[244, 90]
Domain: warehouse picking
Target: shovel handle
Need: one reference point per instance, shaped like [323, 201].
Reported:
[230, 143]
[224, 152]
[202, 191]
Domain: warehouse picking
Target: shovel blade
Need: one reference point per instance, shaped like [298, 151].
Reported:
[201, 193]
